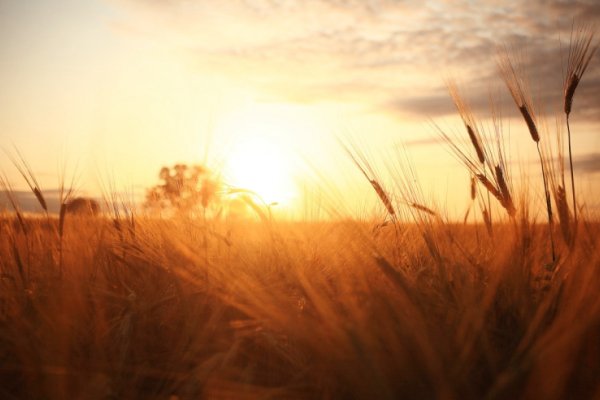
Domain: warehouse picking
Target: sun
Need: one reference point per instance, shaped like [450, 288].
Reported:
[263, 167]
[265, 148]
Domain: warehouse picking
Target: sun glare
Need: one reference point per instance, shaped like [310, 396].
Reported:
[265, 144]
[262, 167]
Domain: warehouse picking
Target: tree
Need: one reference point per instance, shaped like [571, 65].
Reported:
[183, 189]
[83, 206]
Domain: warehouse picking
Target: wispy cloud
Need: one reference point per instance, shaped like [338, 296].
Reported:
[389, 53]
[589, 163]
[29, 203]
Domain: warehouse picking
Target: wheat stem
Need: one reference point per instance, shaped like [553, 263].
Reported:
[572, 174]
[548, 204]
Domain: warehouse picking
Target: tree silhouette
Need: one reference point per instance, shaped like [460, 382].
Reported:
[183, 188]
[83, 206]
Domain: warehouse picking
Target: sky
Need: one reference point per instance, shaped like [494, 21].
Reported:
[111, 90]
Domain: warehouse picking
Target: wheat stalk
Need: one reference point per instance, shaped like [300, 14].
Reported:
[8, 191]
[560, 198]
[362, 164]
[27, 174]
[491, 188]
[518, 90]
[487, 221]
[424, 209]
[517, 87]
[473, 187]
[383, 196]
[507, 201]
[581, 52]
[468, 120]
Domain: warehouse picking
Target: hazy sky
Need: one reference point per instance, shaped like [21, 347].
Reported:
[117, 88]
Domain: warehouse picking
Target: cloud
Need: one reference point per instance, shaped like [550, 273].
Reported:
[28, 202]
[381, 52]
[589, 163]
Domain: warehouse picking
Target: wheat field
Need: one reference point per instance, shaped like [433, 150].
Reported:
[125, 305]
[322, 310]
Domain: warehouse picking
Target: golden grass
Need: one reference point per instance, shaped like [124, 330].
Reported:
[128, 306]
[292, 310]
